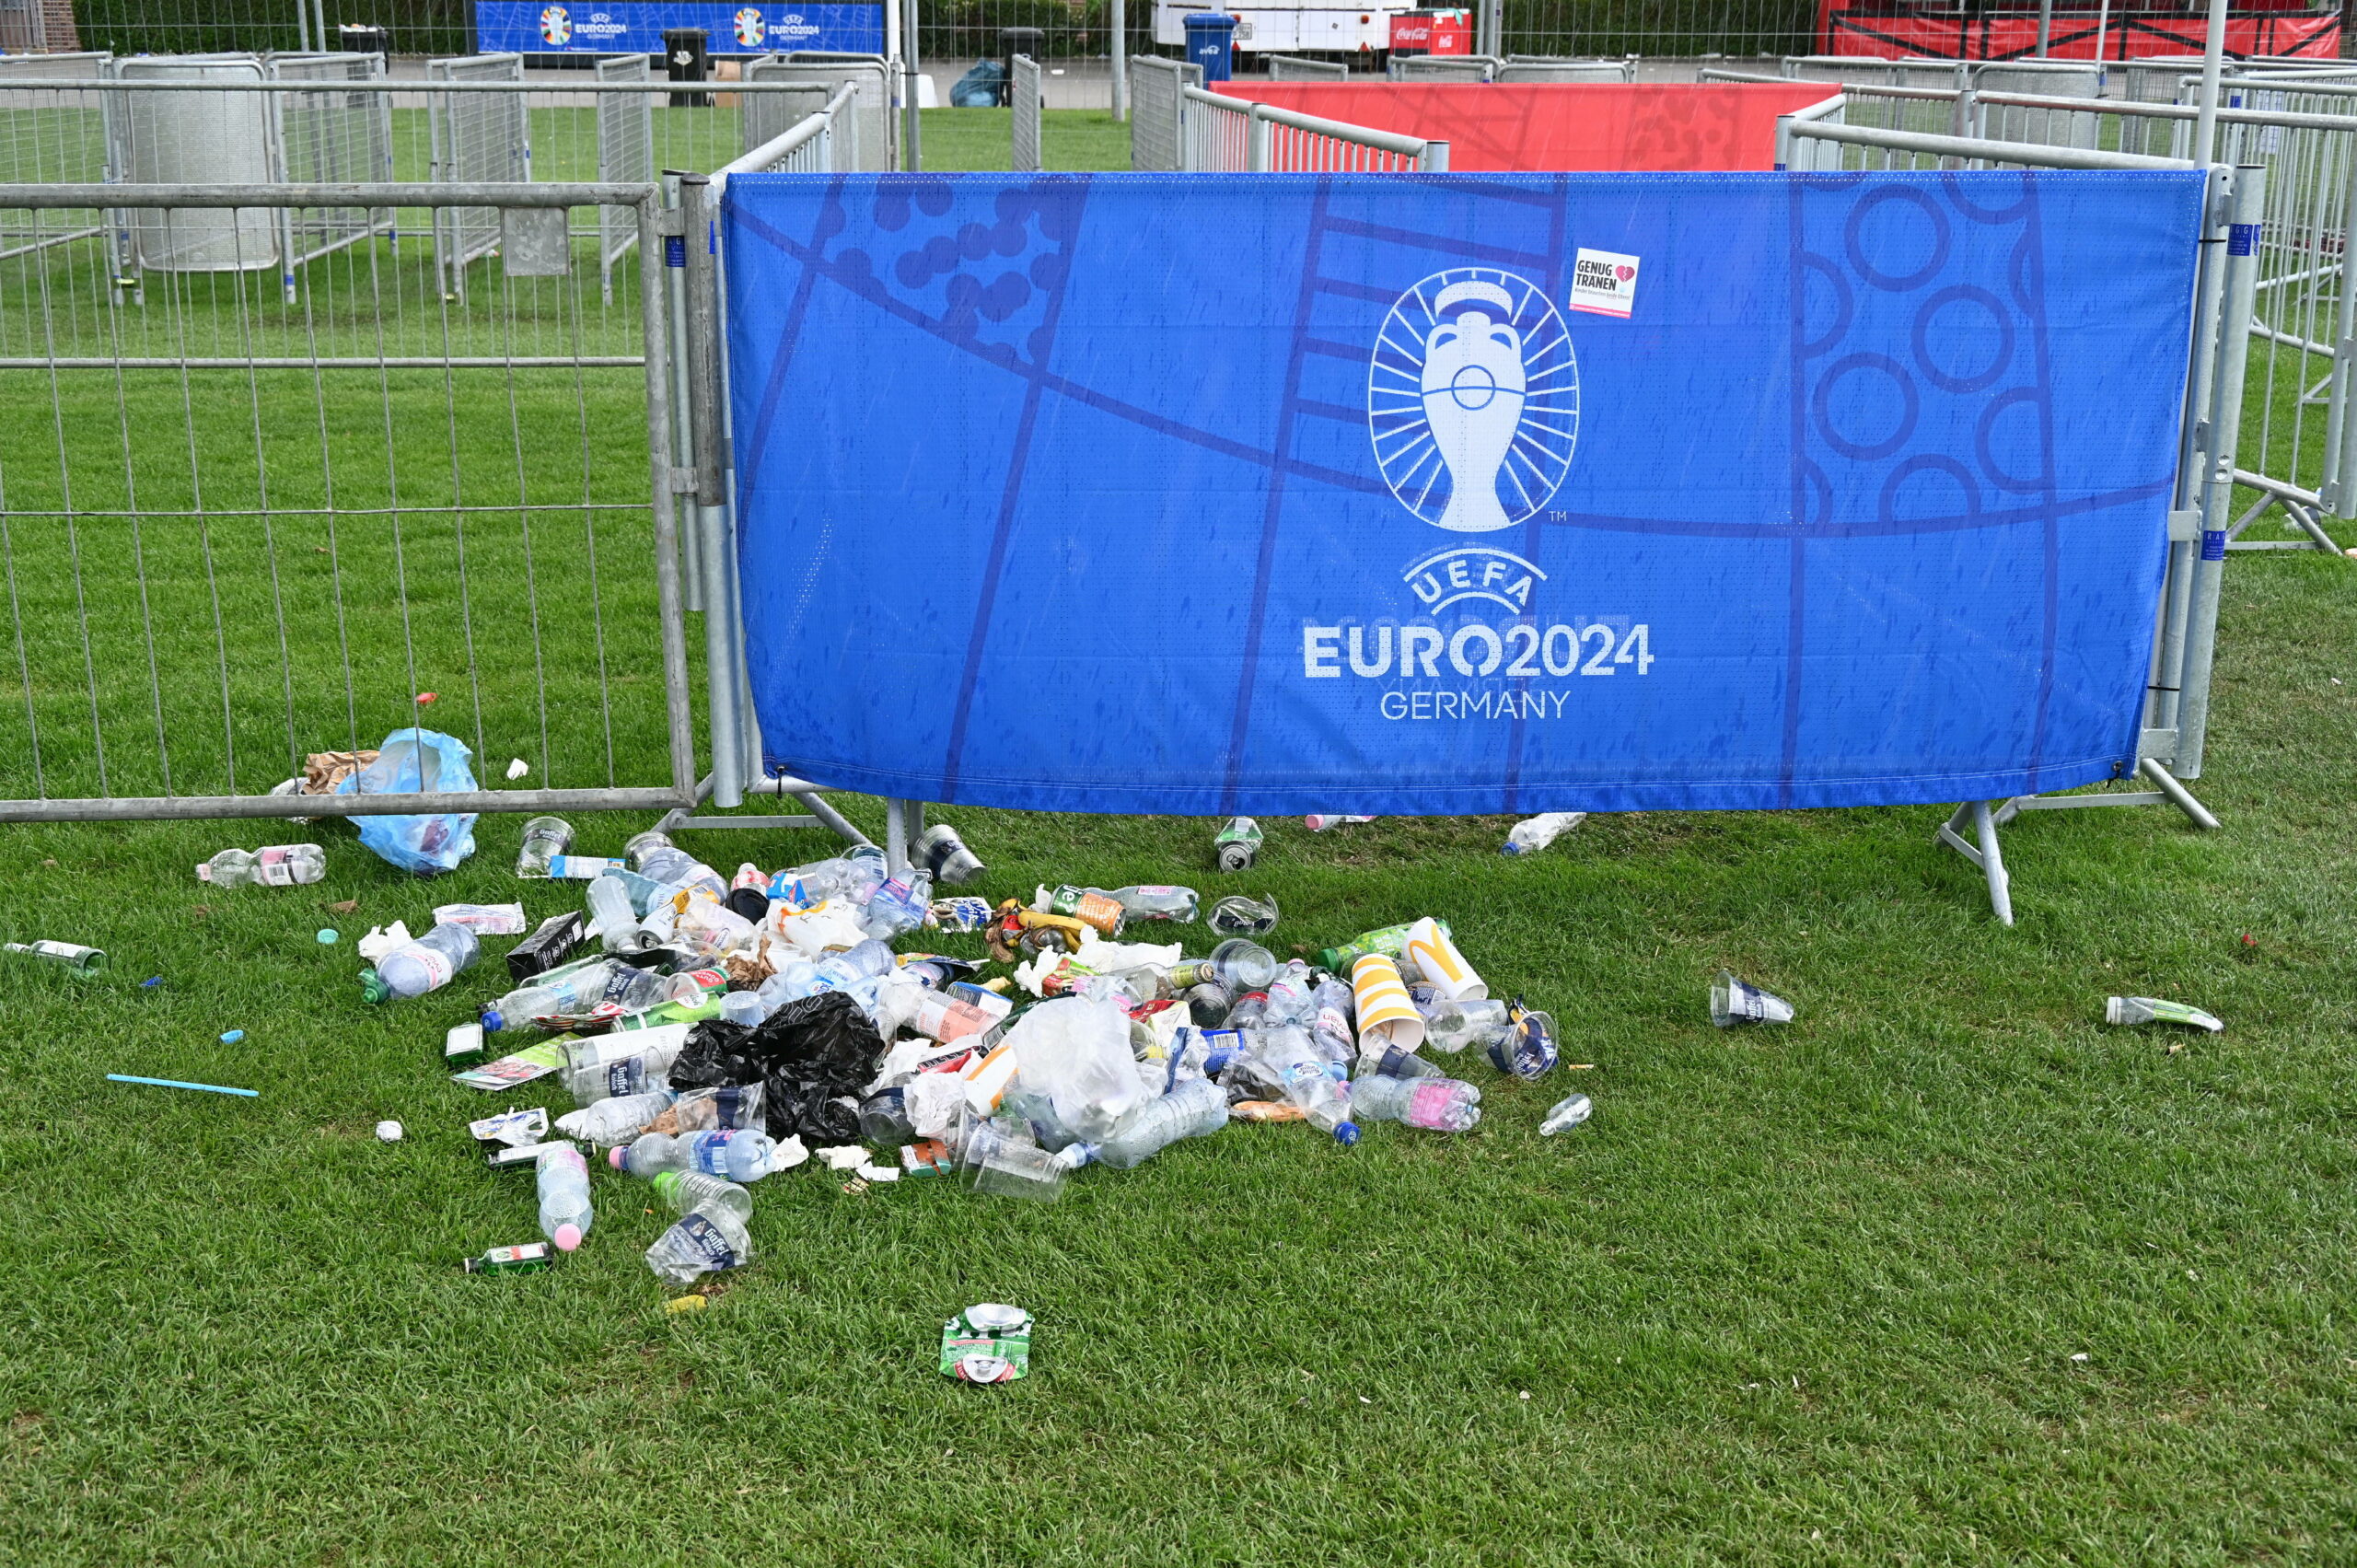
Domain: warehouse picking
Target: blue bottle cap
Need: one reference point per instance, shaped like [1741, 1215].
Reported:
[1346, 1133]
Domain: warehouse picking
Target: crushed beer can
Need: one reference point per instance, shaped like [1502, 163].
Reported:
[987, 1343]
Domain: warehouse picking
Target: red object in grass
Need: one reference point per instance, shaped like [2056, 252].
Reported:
[425, 697]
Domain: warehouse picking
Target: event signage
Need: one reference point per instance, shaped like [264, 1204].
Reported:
[1274, 493]
[562, 27]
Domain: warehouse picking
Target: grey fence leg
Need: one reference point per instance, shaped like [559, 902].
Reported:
[2179, 797]
[1984, 854]
[896, 837]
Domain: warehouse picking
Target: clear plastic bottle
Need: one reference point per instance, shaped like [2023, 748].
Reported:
[580, 991]
[426, 964]
[1154, 901]
[705, 1240]
[687, 1191]
[855, 964]
[1568, 1113]
[1443, 1105]
[1190, 1111]
[1291, 995]
[618, 924]
[1476, 1023]
[1332, 1009]
[73, 955]
[1319, 824]
[611, 1122]
[545, 838]
[564, 1195]
[1533, 833]
[656, 858]
[899, 904]
[741, 1155]
[1288, 1057]
[277, 865]
[1238, 965]
[1389, 1062]
[595, 1078]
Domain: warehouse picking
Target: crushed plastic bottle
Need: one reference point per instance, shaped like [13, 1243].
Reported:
[427, 963]
[2156, 1010]
[1190, 1111]
[1319, 824]
[277, 865]
[1533, 833]
[545, 838]
[1286, 1057]
[1442, 1105]
[704, 1241]
[614, 1122]
[564, 1195]
[1237, 915]
[1156, 902]
[588, 990]
[1236, 845]
[618, 929]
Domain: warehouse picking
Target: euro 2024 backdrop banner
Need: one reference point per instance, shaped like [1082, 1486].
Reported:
[1271, 493]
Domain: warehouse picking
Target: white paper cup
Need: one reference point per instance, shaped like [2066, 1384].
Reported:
[1444, 967]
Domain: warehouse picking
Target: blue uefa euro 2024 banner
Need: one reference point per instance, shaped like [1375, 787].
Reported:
[1377, 494]
[562, 26]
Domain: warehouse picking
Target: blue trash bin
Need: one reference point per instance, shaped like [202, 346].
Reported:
[1210, 36]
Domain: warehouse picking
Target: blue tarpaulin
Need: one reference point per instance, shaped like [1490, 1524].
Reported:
[1455, 494]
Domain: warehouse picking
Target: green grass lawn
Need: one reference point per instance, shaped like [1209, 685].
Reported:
[1814, 1294]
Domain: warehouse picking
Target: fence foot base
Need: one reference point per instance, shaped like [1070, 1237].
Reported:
[1984, 854]
[2177, 794]
[821, 814]
[2167, 791]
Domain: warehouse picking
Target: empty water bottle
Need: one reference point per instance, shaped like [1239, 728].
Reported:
[545, 838]
[1237, 964]
[898, 904]
[941, 852]
[618, 924]
[596, 1077]
[1568, 1113]
[1290, 995]
[424, 964]
[1286, 1058]
[564, 1195]
[278, 866]
[1535, 833]
[1320, 824]
[1444, 1105]
[855, 964]
[1190, 1111]
[687, 1191]
[705, 1240]
[594, 988]
[1156, 902]
[738, 1155]
[1387, 1061]
[654, 857]
[614, 1122]
[744, 1008]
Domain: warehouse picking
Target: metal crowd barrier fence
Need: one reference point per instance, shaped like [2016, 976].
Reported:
[1023, 97]
[875, 144]
[2176, 708]
[1541, 68]
[1444, 67]
[241, 532]
[1294, 68]
[1155, 89]
[482, 138]
[625, 152]
[1222, 134]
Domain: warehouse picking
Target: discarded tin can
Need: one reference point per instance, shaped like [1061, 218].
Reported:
[1236, 845]
[531, 1257]
[987, 1343]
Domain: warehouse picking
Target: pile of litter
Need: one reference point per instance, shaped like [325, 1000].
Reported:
[712, 1031]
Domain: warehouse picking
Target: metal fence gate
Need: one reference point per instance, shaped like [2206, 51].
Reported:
[1155, 87]
[477, 138]
[236, 531]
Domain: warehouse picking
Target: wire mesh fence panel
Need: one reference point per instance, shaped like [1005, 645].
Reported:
[52, 131]
[195, 137]
[1156, 86]
[625, 152]
[771, 115]
[874, 129]
[1293, 68]
[1023, 94]
[1534, 70]
[269, 540]
[1443, 68]
[476, 137]
[331, 138]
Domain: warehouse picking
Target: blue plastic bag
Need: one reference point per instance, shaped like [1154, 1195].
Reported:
[979, 88]
[413, 761]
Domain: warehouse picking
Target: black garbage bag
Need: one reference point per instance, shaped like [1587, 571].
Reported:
[813, 1057]
[718, 1053]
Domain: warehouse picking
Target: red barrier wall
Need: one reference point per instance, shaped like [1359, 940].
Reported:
[2010, 35]
[1515, 127]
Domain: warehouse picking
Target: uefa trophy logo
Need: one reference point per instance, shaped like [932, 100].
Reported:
[749, 28]
[1473, 400]
[556, 26]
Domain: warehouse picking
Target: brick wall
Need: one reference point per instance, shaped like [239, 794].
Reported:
[57, 26]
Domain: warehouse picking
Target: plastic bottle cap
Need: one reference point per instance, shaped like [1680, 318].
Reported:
[232, 1037]
[492, 1022]
[1346, 1133]
[614, 1156]
[373, 987]
[328, 937]
[567, 1238]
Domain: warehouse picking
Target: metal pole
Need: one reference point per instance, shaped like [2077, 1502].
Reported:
[651, 300]
[2340, 439]
[675, 280]
[1117, 19]
[2103, 22]
[911, 144]
[1257, 134]
[892, 33]
[721, 695]
[2218, 480]
[2045, 25]
[2205, 130]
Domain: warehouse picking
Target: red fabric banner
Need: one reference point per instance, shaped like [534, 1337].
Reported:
[1529, 127]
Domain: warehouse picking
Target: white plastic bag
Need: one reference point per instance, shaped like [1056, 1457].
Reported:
[1077, 1054]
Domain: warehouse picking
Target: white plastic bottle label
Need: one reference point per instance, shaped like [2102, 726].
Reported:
[711, 1155]
[274, 867]
[437, 964]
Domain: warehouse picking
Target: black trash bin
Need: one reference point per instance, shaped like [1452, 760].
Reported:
[1012, 42]
[685, 59]
[363, 38]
